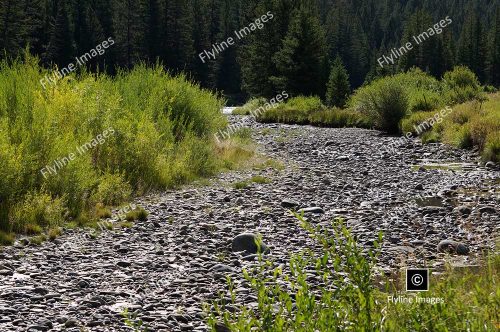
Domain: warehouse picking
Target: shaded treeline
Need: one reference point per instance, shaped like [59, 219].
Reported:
[294, 50]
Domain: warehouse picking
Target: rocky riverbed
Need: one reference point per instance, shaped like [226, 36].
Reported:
[162, 270]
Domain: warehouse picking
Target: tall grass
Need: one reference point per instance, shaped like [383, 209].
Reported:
[295, 111]
[310, 110]
[474, 123]
[335, 290]
[162, 137]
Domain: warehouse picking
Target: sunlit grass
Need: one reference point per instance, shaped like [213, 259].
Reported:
[160, 134]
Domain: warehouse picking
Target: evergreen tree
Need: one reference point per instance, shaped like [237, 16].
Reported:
[102, 11]
[128, 27]
[34, 30]
[152, 29]
[347, 39]
[60, 49]
[494, 52]
[301, 60]
[178, 47]
[338, 87]
[422, 55]
[201, 39]
[10, 38]
[227, 69]
[472, 45]
[256, 55]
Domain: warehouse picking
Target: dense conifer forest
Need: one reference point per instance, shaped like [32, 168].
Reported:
[295, 50]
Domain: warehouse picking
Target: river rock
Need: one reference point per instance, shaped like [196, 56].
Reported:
[453, 247]
[288, 204]
[247, 242]
[314, 209]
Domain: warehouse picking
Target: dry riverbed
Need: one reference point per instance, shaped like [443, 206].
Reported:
[165, 268]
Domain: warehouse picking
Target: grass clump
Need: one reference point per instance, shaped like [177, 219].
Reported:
[54, 233]
[260, 179]
[251, 106]
[270, 164]
[138, 131]
[126, 224]
[346, 298]
[474, 123]
[38, 240]
[339, 118]
[241, 185]
[6, 239]
[294, 111]
[137, 214]
[310, 110]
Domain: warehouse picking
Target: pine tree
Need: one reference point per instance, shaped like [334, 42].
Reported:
[178, 47]
[301, 60]
[338, 87]
[10, 33]
[34, 29]
[422, 55]
[346, 37]
[128, 32]
[201, 39]
[472, 45]
[60, 49]
[152, 29]
[102, 11]
[257, 52]
[494, 52]
[227, 69]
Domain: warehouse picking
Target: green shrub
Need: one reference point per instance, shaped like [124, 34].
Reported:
[411, 123]
[112, 190]
[462, 85]
[384, 101]
[461, 77]
[290, 302]
[160, 132]
[473, 123]
[35, 212]
[310, 110]
[426, 101]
